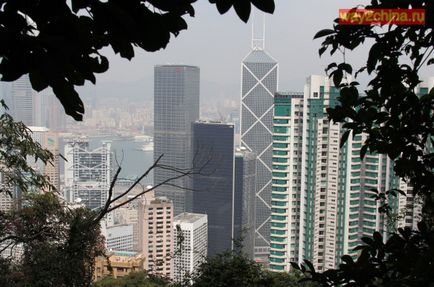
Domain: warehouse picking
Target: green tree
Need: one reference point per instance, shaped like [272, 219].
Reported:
[230, 269]
[59, 43]
[59, 244]
[16, 148]
[134, 279]
[399, 123]
[233, 268]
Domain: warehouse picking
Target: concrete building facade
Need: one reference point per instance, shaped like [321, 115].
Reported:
[119, 237]
[156, 236]
[191, 237]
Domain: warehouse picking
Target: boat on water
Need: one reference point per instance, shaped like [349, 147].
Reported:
[147, 147]
[141, 138]
[148, 142]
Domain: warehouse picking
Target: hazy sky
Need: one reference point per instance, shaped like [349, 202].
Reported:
[218, 43]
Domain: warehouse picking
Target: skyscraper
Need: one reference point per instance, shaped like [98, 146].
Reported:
[191, 237]
[213, 148]
[22, 104]
[259, 73]
[41, 109]
[245, 188]
[87, 173]
[48, 111]
[176, 107]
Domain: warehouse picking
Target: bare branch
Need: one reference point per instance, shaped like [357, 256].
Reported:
[141, 193]
[110, 194]
[181, 172]
[110, 201]
[154, 165]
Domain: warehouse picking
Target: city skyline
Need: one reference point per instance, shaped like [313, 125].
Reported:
[211, 34]
[294, 147]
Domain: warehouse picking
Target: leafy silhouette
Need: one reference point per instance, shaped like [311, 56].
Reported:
[394, 114]
[398, 119]
[59, 45]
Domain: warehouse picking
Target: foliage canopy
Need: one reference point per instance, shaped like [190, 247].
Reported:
[399, 122]
[59, 44]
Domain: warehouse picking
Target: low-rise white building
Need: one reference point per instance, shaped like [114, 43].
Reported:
[119, 237]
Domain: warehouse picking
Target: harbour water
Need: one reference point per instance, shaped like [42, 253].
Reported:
[128, 152]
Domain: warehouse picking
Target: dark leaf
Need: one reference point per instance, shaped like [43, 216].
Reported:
[79, 4]
[337, 77]
[37, 80]
[363, 151]
[267, 6]
[330, 66]
[243, 9]
[223, 6]
[323, 33]
[378, 238]
[368, 241]
[346, 67]
[322, 50]
[347, 259]
[295, 266]
[344, 138]
[70, 100]
[310, 265]
[374, 57]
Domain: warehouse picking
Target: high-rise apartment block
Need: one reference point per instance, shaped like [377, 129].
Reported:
[87, 173]
[176, 107]
[259, 75]
[191, 237]
[48, 140]
[156, 235]
[322, 195]
[129, 213]
[213, 182]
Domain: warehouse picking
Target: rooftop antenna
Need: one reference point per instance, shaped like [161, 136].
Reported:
[258, 32]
